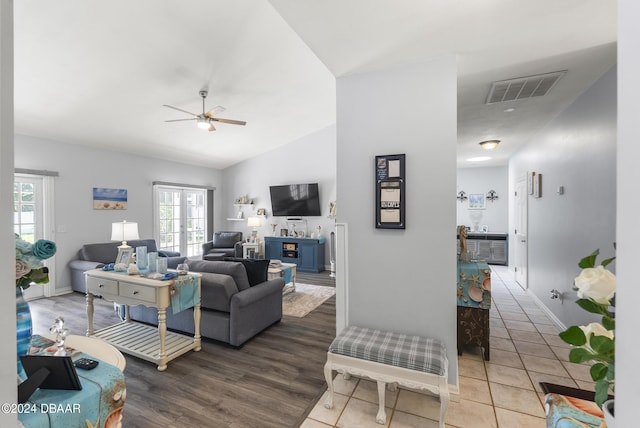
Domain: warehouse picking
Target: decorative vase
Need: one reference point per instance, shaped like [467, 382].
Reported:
[23, 329]
[607, 409]
[141, 257]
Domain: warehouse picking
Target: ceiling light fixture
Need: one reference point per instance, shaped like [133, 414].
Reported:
[203, 123]
[489, 144]
[479, 159]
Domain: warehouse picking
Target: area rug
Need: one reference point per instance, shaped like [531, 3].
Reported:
[305, 299]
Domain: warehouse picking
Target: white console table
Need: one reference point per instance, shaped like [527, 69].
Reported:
[137, 339]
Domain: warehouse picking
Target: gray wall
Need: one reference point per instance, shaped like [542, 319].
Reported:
[83, 168]
[402, 280]
[482, 180]
[576, 150]
[310, 159]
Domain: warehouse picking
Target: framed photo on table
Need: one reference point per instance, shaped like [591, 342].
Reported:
[124, 255]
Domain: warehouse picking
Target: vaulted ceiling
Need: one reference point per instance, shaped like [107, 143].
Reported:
[98, 73]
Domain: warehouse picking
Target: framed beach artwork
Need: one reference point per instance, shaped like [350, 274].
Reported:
[109, 199]
[477, 201]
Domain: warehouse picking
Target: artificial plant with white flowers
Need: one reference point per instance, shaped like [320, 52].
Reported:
[596, 288]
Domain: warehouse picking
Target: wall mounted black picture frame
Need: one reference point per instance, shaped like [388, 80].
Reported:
[390, 191]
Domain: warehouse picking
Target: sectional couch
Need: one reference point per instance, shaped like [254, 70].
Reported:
[93, 256]
[237, 302]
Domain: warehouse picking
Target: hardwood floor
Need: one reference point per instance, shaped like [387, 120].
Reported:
[272, 381]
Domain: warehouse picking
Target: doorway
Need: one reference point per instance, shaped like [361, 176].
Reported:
[32, 220]
[180, 219]
[520, 233]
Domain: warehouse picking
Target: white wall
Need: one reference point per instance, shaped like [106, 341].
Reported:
[8, 392]
[627, 373]
[482, 180]
[81, 169]
[401, 280]
[576, 150]
[310, 159]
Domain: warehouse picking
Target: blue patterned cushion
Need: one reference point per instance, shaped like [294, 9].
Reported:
[400, 350]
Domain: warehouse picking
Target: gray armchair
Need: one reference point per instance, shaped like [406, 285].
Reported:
[224, 244]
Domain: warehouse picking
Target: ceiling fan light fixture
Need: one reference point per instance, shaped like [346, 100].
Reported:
[203, 123]
[489, 144]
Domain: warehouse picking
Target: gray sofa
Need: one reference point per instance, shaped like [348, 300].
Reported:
[223, 244]
[237, 302]
[93, 256]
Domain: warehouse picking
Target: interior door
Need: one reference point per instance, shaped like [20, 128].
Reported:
[520, 232]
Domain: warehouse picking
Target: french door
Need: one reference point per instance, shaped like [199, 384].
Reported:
[31, 220]
[180, 219]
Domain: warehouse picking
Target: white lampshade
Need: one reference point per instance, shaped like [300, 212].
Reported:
[254, 222]
[124, 231]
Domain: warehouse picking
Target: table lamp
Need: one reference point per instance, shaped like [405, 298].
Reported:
[124, 231]
[255, 223]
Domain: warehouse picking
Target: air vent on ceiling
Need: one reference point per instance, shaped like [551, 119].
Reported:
[523, 87]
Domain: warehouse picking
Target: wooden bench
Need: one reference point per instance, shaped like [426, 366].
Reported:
[398, 359]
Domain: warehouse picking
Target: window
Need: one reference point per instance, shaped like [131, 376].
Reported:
[32, 219]
[180, 218]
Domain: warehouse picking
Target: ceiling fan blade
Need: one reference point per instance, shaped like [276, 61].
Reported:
[211, 127]
[214, 111]
[233, 122]
[179, 109]
[179, 120]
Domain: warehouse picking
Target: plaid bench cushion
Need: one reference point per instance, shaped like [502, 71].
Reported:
[400, 350]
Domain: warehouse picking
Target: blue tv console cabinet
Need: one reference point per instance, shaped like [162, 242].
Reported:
[306, 253]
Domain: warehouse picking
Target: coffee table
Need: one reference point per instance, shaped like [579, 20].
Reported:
[278, 272]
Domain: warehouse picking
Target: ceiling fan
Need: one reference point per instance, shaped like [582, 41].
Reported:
[206, 119]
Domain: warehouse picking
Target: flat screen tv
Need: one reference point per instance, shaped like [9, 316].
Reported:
[295, 200]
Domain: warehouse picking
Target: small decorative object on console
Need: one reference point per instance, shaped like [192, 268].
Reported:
[182, 269]
[61, 335]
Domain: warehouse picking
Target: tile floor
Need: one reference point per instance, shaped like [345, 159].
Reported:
[503, 392]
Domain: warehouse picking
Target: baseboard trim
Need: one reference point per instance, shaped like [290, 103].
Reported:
[554, 319]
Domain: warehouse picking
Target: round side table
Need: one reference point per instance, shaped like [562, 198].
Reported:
[95, 347]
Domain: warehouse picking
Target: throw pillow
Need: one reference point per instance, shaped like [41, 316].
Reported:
[256, 269]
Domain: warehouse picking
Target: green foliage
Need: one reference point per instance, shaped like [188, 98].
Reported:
[593, 307]
[589, 261]
[574, 336]
[580, 355]
[598, 349]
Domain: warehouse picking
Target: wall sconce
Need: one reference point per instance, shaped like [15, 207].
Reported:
[462, 196]
[492, 195]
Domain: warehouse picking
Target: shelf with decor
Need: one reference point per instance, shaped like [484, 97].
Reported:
[240, 214]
